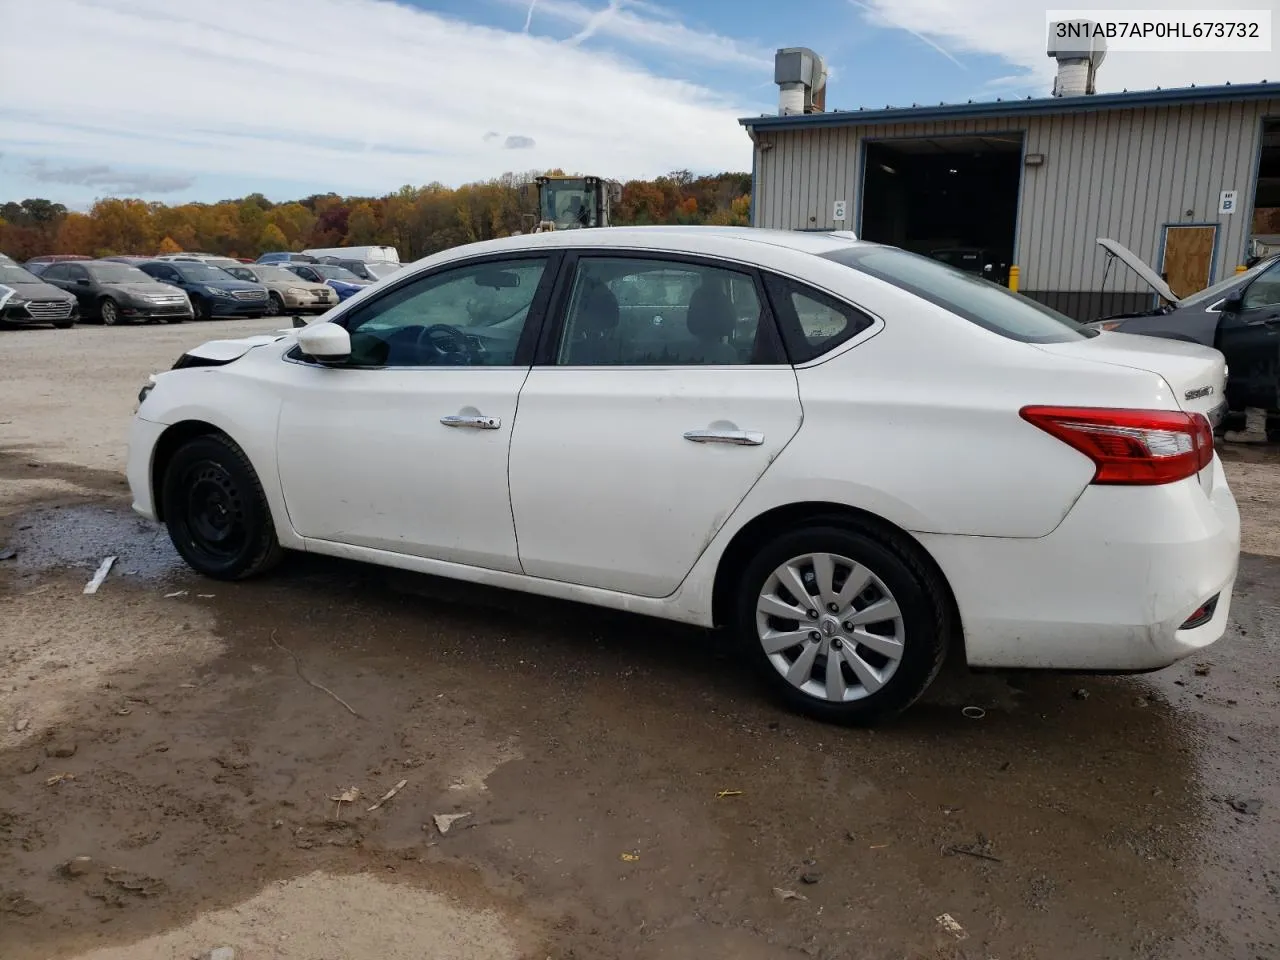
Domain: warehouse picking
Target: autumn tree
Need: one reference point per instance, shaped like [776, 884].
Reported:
[169, 245]
[417, 220]
[272, 238]
[362, 225]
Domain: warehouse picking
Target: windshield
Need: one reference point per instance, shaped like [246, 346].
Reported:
[568, 203]
[979, 301]
[117, 273]
[273, 275]
[1206, 296]
[200, 272]
[11, 273]
[335, 273]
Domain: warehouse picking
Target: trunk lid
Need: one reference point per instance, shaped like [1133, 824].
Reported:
[1197, 375]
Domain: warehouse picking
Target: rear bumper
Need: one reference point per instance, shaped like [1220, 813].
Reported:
[1109, 589]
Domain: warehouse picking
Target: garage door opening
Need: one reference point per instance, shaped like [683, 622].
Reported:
[951, 198]
[1265, 233]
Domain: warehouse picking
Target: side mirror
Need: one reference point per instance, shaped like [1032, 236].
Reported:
[325, 342]
[1233, 302]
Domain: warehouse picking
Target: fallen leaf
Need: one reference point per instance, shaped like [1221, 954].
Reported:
[58, 778]
[446, 820]
[629, 857]
[350, 795]
[787, 894]
[949, 924]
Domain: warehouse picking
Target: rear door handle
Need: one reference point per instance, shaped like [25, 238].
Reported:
[476, 423]
[746, 438]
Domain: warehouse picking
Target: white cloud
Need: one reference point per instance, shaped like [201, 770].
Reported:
[641, 24]
[1015, 30]
[362, 94]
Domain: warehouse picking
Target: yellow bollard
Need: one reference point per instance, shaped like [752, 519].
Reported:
[1014, 273]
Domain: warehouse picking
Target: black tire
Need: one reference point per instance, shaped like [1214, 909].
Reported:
[109, 311]
[200, 308]
[1273, 428]
[174, 319]
[922, 601]
[216, 512]
[275, 305]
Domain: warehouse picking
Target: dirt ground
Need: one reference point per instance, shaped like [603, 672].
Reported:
[170, 748]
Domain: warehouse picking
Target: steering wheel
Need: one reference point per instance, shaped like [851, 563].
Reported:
[449, 344]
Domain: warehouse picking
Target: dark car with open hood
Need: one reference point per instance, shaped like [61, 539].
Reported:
[1239, 316]
[26, 299]
[118, 293]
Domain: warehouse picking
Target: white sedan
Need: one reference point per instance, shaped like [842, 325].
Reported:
[855, 458]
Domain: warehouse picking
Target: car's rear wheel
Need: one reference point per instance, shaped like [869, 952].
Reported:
[109, 310]
[216, 512]
[845, 622]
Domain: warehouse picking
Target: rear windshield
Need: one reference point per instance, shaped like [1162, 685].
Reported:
[979, 301]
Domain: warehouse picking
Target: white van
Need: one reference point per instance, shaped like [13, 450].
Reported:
[361, 254]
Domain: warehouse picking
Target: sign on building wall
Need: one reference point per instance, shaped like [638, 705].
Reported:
[838, 210]
[1227, 201]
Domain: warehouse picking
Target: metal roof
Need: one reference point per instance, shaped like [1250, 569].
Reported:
[1128, 100]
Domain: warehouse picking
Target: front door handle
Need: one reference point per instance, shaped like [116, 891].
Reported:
[476, 423]
[746, 438]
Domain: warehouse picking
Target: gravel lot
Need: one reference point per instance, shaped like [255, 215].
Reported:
[170, 730]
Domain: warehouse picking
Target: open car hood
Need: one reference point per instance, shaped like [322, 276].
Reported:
[1140, 267]
[224, 351]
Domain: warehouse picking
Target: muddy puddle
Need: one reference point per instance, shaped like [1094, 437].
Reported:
[621, 787]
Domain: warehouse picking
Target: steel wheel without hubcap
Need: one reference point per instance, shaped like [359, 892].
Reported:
[214, 516]
[217, 514]
[830, 627]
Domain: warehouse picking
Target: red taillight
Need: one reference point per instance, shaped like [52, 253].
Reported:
[1131, 446]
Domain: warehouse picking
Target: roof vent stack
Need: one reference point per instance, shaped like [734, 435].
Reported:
[1079, 50]
[801, 76]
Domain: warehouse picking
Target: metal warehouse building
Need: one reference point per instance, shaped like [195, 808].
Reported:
[1185, 178]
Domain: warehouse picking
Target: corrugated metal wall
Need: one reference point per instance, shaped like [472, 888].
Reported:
[1120, 174]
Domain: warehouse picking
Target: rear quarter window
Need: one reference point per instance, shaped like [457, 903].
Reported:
[812, 322]
[979, 301]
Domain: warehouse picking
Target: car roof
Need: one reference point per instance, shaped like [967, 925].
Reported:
[691, 239]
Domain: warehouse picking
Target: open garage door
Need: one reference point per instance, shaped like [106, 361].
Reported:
[954, 198]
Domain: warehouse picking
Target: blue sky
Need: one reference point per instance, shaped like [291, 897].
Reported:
[180, 100]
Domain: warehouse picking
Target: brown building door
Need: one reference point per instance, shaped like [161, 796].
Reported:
[1188, 258]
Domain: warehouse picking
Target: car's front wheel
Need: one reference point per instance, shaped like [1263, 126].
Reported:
[200, 308]
[275, 306]
[109, 311]
[216, 512]
[844, 621]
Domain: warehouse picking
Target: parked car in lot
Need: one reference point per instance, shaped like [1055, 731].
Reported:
[213, 292]
[210, 258]
[848, 454]
[344, 283]
[373, 272]
[1239, 316]
[284, 256]
[288, 293]
[373, 253]
[117, 293]
[26, 299]
[37, 265]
